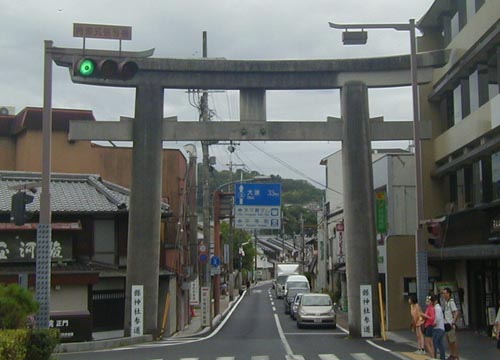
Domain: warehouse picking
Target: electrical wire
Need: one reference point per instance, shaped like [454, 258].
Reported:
[292, 168]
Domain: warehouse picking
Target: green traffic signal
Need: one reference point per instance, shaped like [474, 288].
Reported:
[86, 67]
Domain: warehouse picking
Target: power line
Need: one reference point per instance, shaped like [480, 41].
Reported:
[292, 168]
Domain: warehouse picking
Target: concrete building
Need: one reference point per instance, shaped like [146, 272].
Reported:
[461, 164]
[20, 150]
[460, 171]
[394, 189]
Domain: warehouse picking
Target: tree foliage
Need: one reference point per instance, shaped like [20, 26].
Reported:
[292, 218]
[16, 303]
[239, 237]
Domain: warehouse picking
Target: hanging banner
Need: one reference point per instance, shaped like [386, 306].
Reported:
[381, 212]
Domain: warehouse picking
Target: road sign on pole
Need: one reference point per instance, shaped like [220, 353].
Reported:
[257, 206]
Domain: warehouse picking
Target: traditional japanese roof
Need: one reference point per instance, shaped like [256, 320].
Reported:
[70, 193]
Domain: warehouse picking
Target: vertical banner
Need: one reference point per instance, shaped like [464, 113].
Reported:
[381, 212]
[366, 310]
[205, 306]
[194, 292]
[136, 327]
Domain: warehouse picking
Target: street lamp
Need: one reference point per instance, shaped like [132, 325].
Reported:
[360, 37]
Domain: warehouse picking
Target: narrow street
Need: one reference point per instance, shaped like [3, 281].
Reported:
[257, 328]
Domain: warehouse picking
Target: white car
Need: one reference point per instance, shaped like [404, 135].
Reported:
[316, 310]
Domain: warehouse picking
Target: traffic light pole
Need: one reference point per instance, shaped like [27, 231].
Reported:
[44, 232]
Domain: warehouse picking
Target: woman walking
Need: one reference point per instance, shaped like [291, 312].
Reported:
[417, 320]
[430, 318]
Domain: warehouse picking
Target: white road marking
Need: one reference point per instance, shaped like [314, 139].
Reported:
[377, 346]
[261, 357]
[274, 309]
[328, 357]
[287, 347]
[312, 333]
[225, 358]
[361, 356]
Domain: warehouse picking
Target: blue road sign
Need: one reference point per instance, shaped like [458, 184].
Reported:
[257, 194]
[215, 261]
[203, 258]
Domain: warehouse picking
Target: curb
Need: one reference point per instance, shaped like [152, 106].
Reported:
[101, 344]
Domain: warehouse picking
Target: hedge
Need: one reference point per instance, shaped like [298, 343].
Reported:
[27, 344]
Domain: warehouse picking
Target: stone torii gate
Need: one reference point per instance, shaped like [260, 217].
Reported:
[252, 78]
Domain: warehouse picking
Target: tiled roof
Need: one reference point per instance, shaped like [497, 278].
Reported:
[70, 193]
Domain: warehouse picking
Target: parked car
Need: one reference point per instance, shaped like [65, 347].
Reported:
[290, 295]
[295, 305]
[316, 310]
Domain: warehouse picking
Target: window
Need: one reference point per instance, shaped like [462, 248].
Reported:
[457, 104]
[474, 91]
[495, 170]
[104, 241]
[477, 183]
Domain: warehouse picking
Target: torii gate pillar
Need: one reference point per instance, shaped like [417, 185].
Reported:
[361, 245]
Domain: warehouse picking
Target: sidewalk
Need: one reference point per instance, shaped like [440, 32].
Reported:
[195, 327]
[471, 345]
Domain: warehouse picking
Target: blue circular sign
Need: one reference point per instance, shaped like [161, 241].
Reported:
[203, 258]
[215, 261]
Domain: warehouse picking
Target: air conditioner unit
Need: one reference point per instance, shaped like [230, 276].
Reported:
[7, 110]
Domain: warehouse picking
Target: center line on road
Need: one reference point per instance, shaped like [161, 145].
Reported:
[274, 309]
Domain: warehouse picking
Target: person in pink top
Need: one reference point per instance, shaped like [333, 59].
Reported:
[430, 319]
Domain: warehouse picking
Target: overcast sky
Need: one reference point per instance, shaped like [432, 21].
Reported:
[237, 29]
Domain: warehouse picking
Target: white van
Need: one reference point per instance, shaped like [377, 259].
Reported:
[296, 281]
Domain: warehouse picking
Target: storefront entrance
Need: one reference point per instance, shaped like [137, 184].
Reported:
[484, 292]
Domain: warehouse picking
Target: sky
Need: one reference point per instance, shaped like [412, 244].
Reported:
[237, 29]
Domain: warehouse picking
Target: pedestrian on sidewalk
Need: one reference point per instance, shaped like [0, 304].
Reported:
[451, 315]
[417, 322]
[438, 331]
[430, 318]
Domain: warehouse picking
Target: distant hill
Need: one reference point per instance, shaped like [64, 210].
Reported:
[294, 192]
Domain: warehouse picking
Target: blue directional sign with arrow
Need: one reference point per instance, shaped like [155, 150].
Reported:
[257, 206]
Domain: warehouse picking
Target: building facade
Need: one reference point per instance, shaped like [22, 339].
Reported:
[20, 145]
[461, 163]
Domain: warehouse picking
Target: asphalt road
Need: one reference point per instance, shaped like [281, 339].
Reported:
[257, 328]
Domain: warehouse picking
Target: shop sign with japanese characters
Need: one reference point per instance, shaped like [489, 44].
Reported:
[205, 306]
[23, 248]
[366, 310]
[194, 292]
[137, 325]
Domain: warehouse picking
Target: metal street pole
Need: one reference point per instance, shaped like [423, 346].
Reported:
[44, 232]
[422, 271]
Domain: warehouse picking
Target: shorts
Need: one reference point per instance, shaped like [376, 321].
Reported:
[451, 336]
[428, 331]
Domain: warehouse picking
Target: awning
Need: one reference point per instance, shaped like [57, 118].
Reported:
[465, 252]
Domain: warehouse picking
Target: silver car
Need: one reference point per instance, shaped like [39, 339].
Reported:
[316, 310]
[295, 305]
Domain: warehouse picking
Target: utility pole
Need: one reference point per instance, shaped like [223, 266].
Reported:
[303, 243]
[206, 185]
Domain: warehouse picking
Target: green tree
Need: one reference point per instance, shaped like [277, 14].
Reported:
[291, 215]
[16, 304]
[239, 237]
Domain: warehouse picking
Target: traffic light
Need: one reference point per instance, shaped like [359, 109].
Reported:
[435, 234]
[18, 207]
[105, 68]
